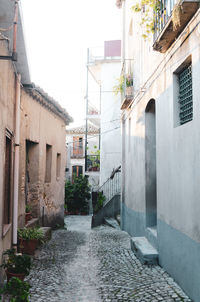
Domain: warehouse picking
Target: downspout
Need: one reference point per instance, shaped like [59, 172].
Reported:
[14, 53]
[86, 120]
[123, 169]
[124, 46]
[16, 157]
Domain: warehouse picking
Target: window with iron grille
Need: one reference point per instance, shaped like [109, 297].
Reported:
[185, 95]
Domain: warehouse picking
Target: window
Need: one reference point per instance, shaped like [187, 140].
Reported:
[185, 95]
[77, 146]
[7, 181]
[32, 175]
[77, 171]
[48, 163]
[58, 164]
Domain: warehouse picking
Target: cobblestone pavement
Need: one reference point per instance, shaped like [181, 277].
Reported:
[80, 264]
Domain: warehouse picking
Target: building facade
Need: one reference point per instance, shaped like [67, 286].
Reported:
[32, 138]
[105, 68]
[160, 138]
[42, 156]
[76, 152]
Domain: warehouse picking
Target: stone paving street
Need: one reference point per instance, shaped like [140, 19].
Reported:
[80, 264]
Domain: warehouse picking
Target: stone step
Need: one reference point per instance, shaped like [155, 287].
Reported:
[144, 251]
[32, 223]
[111, 222]
[118, 218]
[151, 235]
[47, 232]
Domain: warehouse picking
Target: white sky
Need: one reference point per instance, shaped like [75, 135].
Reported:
[58, 34]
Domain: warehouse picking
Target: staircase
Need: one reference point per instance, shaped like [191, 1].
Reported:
[111, 189]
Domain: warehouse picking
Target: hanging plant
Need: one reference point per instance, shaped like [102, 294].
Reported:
[152, 9]
[176, 16]
[149, 9]
[119, 88]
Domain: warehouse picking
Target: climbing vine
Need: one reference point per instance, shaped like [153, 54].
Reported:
[149, 9]
[152, 9]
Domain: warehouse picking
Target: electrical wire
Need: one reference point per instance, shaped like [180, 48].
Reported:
[92, 136]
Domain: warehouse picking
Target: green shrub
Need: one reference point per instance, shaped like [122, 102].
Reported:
[17, 290]
[30, 233]
[16, 263]
[100, 201]
[77, 194]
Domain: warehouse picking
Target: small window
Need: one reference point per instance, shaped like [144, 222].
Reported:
[185, 95]
[58, 165]
[48, 163]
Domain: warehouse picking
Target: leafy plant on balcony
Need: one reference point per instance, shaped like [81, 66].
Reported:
[150, 10]
[176, 14]
[119, 87]
[96, 157]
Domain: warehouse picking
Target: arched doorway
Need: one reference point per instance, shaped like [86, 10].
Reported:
[150, 164]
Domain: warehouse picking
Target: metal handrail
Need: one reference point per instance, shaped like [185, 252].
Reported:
[112, 185]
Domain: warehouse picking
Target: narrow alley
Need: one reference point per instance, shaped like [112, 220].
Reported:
[80, 264]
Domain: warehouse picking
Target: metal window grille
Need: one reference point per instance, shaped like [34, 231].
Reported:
[185, 95]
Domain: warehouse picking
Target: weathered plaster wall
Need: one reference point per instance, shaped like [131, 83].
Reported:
[177, 163]
[7, 103]
[41, 126]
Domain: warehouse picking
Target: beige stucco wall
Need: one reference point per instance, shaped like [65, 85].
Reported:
[7, 101]
[42, 126]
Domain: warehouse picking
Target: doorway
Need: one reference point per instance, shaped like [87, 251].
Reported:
[150, 164]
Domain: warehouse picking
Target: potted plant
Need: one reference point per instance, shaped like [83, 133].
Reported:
[16, 265]
[119, 88]
[28, 213]
[29, 238]
[15, 290]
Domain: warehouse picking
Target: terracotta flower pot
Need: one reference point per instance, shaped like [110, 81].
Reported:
[9, 275]
[28, 246]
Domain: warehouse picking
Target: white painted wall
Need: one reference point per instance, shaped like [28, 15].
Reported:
[110, 121]
[177, 155]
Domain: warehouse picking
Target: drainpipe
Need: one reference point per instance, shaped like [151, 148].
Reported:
[86, 121]
[16, 158]
[14, 53]
[124, 46]
[123, 121]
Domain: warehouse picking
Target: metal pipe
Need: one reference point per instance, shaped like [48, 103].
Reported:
[124, 46]
[86, 120]
[16, 157]
[14, 53]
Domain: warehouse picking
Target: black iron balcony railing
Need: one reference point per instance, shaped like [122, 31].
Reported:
[77, 152]
[93, 163]
[163, 15]
[171, 18]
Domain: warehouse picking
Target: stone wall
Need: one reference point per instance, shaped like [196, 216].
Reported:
[41, 184]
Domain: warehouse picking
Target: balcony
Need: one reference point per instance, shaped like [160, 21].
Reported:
[165, 31]
[77, 152]
[128, 98]
[93, 163]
